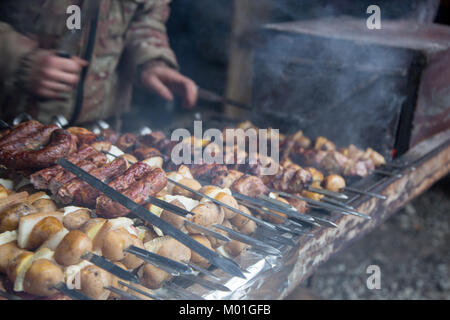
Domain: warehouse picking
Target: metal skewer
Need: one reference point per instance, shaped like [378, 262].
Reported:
[264, 202]
[337, 203]
[182, 212]
[207, 231]
[139, 290]
[256, 220]
[366, 193]
[183, 293]
[395, 165]
[107, 265]
[74, 294]
[8, 296]
[223, 263]
[387, 173]
[170, 266]
[203, 271]
[208, 284]
[123, 294]
[325, 206]
[248, 240]
[4, 125]
[329, 193]
[323, 222]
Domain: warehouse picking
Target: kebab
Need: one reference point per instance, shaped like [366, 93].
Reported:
[292, 180]
[67, 253]
[98, 225]
[39, 229]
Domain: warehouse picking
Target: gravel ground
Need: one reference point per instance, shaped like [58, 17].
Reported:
[411, 249]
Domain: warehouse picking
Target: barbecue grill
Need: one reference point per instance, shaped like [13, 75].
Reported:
[274, 266]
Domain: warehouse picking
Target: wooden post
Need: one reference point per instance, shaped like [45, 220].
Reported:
[248, 15]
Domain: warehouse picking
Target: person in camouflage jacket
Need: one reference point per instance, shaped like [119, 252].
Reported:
[131, 48]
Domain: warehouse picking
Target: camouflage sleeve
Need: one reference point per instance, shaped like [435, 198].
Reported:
[147, 40]
[14, 50]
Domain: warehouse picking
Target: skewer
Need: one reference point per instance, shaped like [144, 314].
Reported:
[21, 117]
[182, 212]
[366, 193]
[107, 265]
[207, 231]
[60, 121]
[139, 290]
[183, 293]
[329, 193]
[4, 125]
[324, 222]
[325, 206]
[387, 173]
[123, 294]
[203, 271]
[170, 266]
[395, 165]
[254, 219]
[282, 240]
[249, 240]
[74, 294]
[223, 263]
[337, 203]
[208, 284]
[8, 296]
[263, 201]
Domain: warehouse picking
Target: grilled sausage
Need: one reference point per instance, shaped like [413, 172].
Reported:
[139, 191]
[61, 145]
[42, 178]
[21, 130]
[79, 192]
[31, 142]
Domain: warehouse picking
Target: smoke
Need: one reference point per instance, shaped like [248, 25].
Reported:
[331, 78]
[347, 91]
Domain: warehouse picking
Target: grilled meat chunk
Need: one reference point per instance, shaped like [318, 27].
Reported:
[79, 192]
[250, 185]
[139, 192]
[42, 178]
[61, 145]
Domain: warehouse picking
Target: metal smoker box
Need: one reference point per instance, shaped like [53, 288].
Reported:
[388, 89]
